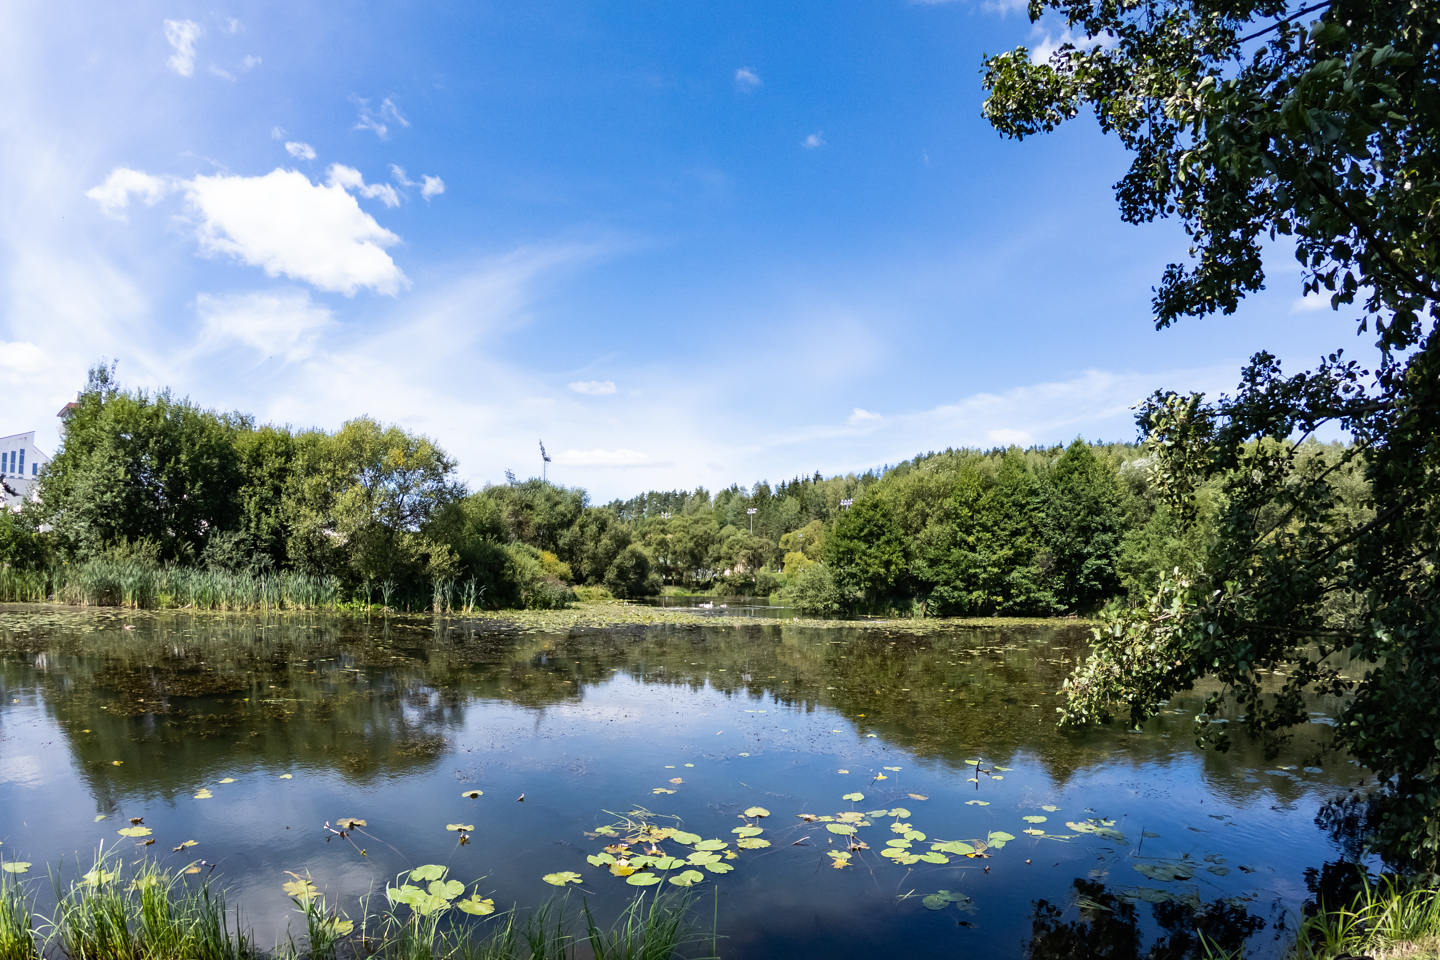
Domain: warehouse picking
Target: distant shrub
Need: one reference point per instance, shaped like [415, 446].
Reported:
[813, 591]
[631, 575]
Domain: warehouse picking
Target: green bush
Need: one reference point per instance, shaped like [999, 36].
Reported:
[813, 591]
[631, 575]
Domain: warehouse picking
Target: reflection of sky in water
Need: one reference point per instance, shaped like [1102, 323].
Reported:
[606, 740]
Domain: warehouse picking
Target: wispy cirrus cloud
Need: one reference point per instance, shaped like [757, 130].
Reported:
[747, 80]
[593, 388]
[182, 36]
[379, 119]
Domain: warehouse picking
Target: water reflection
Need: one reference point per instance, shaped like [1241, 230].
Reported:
[117, 715]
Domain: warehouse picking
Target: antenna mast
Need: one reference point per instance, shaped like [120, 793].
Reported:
[544, 463]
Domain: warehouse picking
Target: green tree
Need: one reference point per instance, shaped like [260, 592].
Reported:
[865, 552]
[134, 467]
[1250, 123]
[630, 575]
[1084, 524]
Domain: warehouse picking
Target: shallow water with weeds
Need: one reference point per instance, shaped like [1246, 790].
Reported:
[826, 790]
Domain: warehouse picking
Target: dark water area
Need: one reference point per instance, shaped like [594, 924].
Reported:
[248, 734]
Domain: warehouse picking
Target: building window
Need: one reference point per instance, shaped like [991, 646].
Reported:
[21, 470]
[34, 468]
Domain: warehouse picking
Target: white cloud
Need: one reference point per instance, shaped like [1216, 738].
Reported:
[285, 324]
[1049, 44]
[379, 120]
[860, 415]
[1310, 303]
[277, 133]
[299, 150]
[1009, 438]
[181, 35]
[747, 79]
[1004, 7]
[429, 186]
[289, 226]
[813, 141]
[599, 457]
[114, 194]
[593, 388]
[348, 178]
[232, 25]
[221, 72]
[250, 62]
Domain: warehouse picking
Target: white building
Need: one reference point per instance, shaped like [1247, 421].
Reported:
[20, 463]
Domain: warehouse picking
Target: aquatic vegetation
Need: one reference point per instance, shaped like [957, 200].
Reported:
[17, 939]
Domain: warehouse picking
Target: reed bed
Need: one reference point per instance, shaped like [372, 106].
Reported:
[146, 912]
[121, 583]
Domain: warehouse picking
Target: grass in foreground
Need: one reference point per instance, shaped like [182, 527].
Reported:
[150, 913]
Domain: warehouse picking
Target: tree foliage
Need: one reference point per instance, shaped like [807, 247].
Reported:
[1261, 127]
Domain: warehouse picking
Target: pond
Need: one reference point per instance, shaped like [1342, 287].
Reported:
[256, 736]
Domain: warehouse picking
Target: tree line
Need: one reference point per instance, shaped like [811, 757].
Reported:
[155, 481]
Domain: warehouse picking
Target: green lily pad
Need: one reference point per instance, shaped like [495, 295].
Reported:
[934, 856]
[473, 794]
[855, 797]
[711, 845]
[460, 827]
[701, 857]
[646, 879]
[756, 812]
[748, 831]
[958, 847]
[562, 878]
[752, 843]
[601, 859]
[1034, 818]
[680, 836]
[135, 832]
[977, 803]
[844, 829]
[476, 907]
[15, 866]
[687, 878]
[429, 871]
[720, 867]
[899, 813]
[446, 889]
[1049, 807]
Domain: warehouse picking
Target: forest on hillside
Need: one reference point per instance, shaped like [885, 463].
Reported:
[153, 500]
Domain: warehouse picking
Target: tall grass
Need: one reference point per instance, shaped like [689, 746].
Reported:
[1385, 920]
[146, 912]
[17, 938]
[129, 583]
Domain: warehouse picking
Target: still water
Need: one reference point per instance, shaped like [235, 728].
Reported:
[290, 724]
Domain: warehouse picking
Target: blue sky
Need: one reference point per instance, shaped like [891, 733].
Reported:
[684, 243]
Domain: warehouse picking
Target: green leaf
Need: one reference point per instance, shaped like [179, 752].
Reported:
[429, 871]
[844, 829]
[15, 866]
[855, 797]
[645, 879]
[561, 878]
[756, 812]
[476, 907]
[687, 878]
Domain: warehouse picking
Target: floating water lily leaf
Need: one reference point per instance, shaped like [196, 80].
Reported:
[135, 832]
[752, 843]
[748, 831]
[15, 866]
[917, 796]
[659, 790]
[287, 776]
[1100, 830]
[460, 827]
[301, 889]
[900, 856]
[855, 797]
[98, 877]
[1034, 818]
[1049, 807]
[429, 871]
[667, 863]
[844, 829]
[977, 803]
[756, 812]
[680, 836]
[473, 794]
[1219, 871]
[934, 856]
[958, 847]
[186, 845]
[881, 776]
[350, 823]
[719, 867]
[711, 845]
[893, 769]
[1166, 872]
[998, 838]
[1001, 769]
[600, 859]
[840, 858]
[701, 857]
[476, 907]
[842, 770]
[900, 842]
[99, 817]
[228, 780]
[900, 812]
[973, 763]
[117, 763]
[1035, 832]
[877, 813]
[852, 816]
[622, 868]
[203, 794]
[687, 878]
[562, 878]
[742, 754]
[446, 889]
[996, 776]
[677, 779]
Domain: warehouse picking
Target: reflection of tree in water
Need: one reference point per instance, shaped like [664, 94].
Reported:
[1108, 927]
[371, 698]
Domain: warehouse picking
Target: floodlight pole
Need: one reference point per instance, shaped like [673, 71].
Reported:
[752, 511]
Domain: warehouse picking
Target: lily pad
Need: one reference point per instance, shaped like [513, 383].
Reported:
[301, 889]
[680, 836]
[998, 838]
[135, 832]
[977, 803]
[15, 866]
[748, 831]
[752, 843]
[711, 845]
[661, 790]
[203, 794]
[899, 812]
[855, 797]
[719, 867]
[429, 871]
[476, 907]
[687, 878]
[473, 794]
[1034, 818]
[756, 812]
[460, 827]
[563, 877]
[844, 829]
[1049, 807]
[350, 823]
[958, 847]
